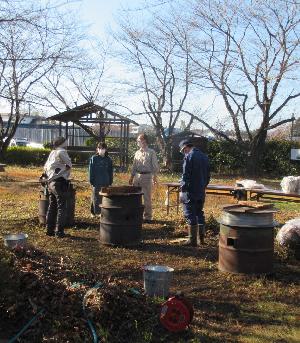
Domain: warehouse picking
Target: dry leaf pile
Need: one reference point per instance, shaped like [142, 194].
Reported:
[120, 310]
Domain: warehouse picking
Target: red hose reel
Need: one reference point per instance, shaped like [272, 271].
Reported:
[176, 313]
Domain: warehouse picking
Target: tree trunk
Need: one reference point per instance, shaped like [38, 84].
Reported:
[168, 156]
[255, 154]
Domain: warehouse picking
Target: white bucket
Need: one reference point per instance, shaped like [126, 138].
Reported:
[157, 280]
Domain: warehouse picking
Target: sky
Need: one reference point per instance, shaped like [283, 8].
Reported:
[100, 15]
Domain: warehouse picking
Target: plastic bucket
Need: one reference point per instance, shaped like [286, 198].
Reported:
[157, 280]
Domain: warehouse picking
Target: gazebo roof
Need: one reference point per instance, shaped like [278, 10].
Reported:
[76, 113]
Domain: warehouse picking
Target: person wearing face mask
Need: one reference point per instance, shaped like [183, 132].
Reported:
[100, 175]
[144, 173]
[195, 178]
[57, 171]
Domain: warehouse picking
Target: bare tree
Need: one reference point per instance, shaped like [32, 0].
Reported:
[162, 76]
[72, 84]
[29, 49]
[248, 52]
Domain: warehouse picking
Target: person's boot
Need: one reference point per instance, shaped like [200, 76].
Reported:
[192, 238]
[50, 232]
[59, 232]
[201, 234]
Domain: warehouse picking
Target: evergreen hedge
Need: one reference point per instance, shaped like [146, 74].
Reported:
[225, 158]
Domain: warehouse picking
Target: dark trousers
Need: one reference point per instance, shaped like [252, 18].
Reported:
[96, 200]
[193, 211]
[56, 213]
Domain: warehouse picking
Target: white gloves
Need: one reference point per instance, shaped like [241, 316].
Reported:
[183, 197]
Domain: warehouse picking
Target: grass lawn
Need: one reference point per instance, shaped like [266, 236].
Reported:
[55, 274]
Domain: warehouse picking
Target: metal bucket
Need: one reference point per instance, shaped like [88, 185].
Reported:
[246, 243]
[121, 216]
[157, 280]
[12, 241]
[70, 206]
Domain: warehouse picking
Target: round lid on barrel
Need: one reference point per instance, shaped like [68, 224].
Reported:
[250, 207]
[120, 190]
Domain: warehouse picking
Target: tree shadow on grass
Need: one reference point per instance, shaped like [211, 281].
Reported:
[203, 252]
[82, 239]
[285, 273]
[24, 222]
[85, 224]
[161, 232]
[168, 223]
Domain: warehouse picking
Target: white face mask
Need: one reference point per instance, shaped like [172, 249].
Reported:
[101, 152]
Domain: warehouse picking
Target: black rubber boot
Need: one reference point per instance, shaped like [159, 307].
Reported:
[192, 240]
[59, 233]
[50, 232]
[201, 234]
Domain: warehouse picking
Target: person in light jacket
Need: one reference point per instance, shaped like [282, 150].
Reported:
[57, 170]
[144, 173]
[100, 175]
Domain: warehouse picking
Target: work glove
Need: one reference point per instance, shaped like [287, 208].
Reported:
[183, 197]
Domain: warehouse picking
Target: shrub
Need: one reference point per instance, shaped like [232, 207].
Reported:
[224, 157]
[26, 155]
[227, 158]
[276, 160]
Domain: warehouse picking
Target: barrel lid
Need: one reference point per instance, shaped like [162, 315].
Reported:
[119, 194]
[121, 207]
[245, 225]
[250, 207]
[121, 190]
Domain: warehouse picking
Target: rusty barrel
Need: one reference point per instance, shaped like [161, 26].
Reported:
[246, 243]
[43, 207]
[121, 216]
[70, 206]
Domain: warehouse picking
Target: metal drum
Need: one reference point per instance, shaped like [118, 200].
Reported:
[70, 206]
[246, 243]
[43, 207]
[121, 216]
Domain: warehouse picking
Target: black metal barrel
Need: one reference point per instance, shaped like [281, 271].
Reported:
[43, 207]
[121, 216]
[70, 206]
[246, 243]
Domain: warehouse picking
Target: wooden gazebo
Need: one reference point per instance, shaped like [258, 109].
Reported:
[97, 122]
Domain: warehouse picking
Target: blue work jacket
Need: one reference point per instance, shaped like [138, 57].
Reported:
[100, 171]
[195, 174]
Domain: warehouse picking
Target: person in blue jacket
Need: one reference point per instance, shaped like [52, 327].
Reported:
[100, 175]
[195, 178]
